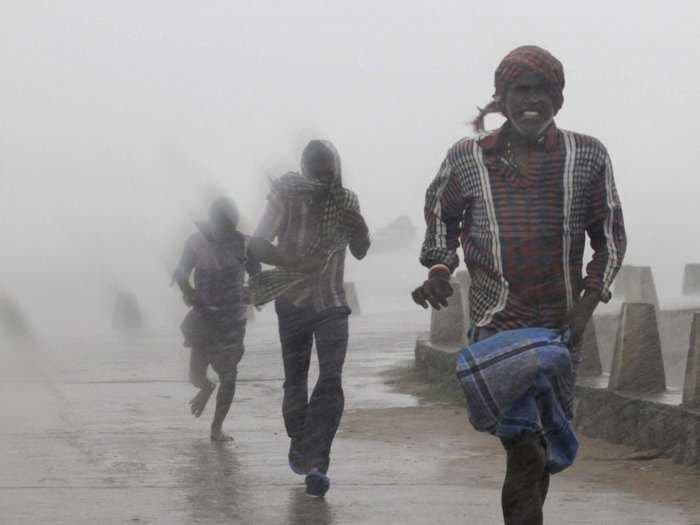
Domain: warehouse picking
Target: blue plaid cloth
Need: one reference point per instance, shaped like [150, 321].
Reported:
[522, 381]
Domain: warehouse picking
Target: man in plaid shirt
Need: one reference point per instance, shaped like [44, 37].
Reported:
[314, 219]
[521, 200]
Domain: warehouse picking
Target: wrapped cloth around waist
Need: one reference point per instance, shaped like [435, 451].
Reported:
[522, 381]
[205, 327]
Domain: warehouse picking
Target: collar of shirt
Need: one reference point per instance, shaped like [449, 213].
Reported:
[496, 141]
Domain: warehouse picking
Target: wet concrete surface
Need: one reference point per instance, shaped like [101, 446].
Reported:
[97, 430]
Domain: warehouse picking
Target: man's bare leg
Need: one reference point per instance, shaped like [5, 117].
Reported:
[199, 402]
[198, 378]
[224, 398]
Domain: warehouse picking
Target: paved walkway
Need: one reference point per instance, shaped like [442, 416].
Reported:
[97, 430]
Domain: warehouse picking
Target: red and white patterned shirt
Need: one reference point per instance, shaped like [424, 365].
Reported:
[524, 236]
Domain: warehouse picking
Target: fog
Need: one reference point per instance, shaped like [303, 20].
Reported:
[121, 120]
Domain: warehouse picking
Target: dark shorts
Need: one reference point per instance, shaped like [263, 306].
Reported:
[223, 356]
[221, 328]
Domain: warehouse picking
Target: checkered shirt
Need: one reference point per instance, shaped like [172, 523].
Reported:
[524, 237]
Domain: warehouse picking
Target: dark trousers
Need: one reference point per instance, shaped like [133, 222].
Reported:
[312, 422]
[527, 479]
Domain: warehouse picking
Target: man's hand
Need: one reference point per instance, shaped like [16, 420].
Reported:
[435, 290]
[579, 316]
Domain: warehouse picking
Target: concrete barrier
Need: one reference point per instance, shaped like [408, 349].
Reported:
[657, 421]
[127, 317]
[638, 364]
[13, 322]
[691, 279]
[646, 420]
[590, 355]
[691, 385]
[465, 281]
[447, 325]
[635, 284]
[352, 298]
[435, 356]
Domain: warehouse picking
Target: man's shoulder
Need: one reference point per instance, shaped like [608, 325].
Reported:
[464, 147]
[349, 199]
[583, 141]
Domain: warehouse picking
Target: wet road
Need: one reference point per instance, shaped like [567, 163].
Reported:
[97, 430]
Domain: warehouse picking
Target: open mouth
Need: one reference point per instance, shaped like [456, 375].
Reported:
[530, 114]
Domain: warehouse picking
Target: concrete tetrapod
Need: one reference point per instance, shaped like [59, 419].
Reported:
[635, 284]
[447, 324]
[638, 364]
[691, 279]
[691, 386]
[462, 277]
[590, 355]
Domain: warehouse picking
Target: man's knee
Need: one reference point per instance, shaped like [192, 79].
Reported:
[227, 378]
[330, 382]
[199, 380]
[295, 386]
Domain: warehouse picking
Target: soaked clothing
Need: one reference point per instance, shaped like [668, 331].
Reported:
[304, 217]
[219, 264]
[524, 236]
[215, 326]
[521, 382]
[313, 421]
[223, 359]
[527, 467]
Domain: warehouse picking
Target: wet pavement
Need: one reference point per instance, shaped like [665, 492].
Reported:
[97, 430]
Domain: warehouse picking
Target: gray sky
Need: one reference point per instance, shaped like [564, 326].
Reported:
[117, 117]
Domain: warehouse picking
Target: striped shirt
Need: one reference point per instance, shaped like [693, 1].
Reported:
[295, 220]
[524, 236]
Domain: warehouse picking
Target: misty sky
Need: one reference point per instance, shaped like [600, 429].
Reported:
[120, 118]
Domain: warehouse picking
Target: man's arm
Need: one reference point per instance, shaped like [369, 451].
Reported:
[606, 229]
[444, 213]
[357, 230]
[253, 264]
[266, 252]
[182, 273]
[269, 225]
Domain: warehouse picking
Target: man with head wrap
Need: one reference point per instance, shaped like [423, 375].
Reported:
[521, 200]
[314, 219]
[214, 328]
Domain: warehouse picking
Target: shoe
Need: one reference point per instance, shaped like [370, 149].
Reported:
[296, 457]
[317, 483]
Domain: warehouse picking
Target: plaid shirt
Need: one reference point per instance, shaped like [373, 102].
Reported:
[305, 225]
[524, 237]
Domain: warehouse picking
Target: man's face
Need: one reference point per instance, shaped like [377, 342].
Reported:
[321, 168]
[224, 217]
[528, 105]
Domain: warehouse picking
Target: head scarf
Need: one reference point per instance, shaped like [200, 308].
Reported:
[524, 59]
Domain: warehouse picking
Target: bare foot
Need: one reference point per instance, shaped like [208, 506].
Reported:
[199, 402]
[220, 435]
